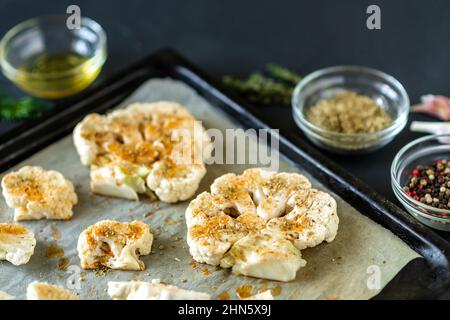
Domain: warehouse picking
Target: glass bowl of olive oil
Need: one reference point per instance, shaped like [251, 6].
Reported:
[48, 58]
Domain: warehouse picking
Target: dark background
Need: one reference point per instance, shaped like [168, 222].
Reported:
[238, 37]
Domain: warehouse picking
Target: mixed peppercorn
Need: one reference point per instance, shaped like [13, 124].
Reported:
[431, 184]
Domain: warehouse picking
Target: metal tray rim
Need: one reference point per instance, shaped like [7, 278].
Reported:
[26, 140]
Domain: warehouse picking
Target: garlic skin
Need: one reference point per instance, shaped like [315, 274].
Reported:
[435, 106]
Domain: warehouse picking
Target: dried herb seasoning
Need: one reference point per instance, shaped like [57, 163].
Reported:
[274, 87]
[349, 113]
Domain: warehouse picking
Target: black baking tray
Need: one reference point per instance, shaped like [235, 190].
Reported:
[427, 278]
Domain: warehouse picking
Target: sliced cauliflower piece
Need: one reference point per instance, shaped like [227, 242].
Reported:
[5, 296]
[211, 231]
[265, 256]
[35, 193]
[265, 295]
[154, 290]
[175, 182]
[16, 243]
[116, 245]
[45, 291]
[140, 150]
[312, 220]
[93, 127]
[257, 222]
[110, 181]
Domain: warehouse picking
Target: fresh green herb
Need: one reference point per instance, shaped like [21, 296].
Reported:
[273, 88]
[282, 73]
[16, 109]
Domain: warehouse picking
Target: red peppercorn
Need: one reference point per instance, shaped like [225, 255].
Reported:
[409, 193]
[442, 173]
[420, 186]
[416, 198]
[438, 162]
[416, 172]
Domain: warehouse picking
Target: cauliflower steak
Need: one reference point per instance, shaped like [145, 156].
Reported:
[115, 245]
[147, 148]
[45, 291]
[154, 290]
[35, 193]
[257, 223]
[16, 243]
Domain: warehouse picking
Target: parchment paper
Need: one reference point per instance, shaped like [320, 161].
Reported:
[363, 251]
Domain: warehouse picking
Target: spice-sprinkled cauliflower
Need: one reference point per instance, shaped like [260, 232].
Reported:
[147, 148]
[154, 290]
[116, 245]
[45, 291]
[35, 193]
[264, 255]
[16, 243]
[257, 222]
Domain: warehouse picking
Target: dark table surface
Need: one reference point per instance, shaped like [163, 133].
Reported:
[238, 37]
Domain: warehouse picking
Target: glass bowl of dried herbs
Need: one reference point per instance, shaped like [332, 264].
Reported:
[350, 109]
[420, 179]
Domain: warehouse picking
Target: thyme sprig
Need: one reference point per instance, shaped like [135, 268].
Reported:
[16, 109]
[272, 88]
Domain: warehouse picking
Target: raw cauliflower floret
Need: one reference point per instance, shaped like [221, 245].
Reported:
[173, 183]
[45, 291]
[147, 148]
[312, 220]
[5, 296]
[266, 256]
[35, 193]
[116, 245]
[154, 290]
[258, 221]
[16, 243]
[211, 231]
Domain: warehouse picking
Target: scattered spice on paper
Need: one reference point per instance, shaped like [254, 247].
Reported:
[224, 296]
[245, 291]
[54, 251]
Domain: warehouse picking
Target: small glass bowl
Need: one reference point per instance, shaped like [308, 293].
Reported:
[423, 151]
[326, 83]
[50, 35]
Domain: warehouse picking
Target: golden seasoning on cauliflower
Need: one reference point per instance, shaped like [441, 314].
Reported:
[264, 255]
[154, 290]
[35, 193]
[257, 222]
[16, 243]
[139, 150]
[115, 245]
[45, 291]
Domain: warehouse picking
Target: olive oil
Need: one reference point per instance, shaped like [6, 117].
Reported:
[56, 75]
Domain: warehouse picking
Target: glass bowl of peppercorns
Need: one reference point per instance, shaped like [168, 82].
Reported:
[420, 177]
